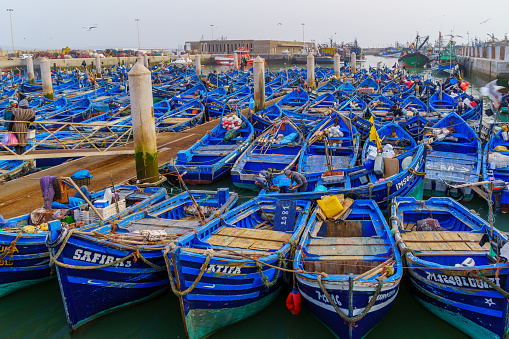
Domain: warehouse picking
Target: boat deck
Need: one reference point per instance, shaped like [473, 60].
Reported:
[254, 239]
[444, 241]
[318, 163]
[170, 226]
[348, 246]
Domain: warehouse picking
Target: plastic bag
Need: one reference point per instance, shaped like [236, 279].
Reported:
[13, 140]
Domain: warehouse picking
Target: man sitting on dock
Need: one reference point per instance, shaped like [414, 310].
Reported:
[301, 184]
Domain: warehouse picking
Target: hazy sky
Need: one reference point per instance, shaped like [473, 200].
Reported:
[50, 24]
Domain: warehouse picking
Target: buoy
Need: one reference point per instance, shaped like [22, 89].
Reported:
[473, 103]
[294, 302]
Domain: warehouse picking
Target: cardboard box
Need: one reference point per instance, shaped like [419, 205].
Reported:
[391, 167]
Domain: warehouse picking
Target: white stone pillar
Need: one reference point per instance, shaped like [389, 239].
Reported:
[259, 83]
[353, 62]
[311, 71]
[98, 66]
[197, 64]
[47, 86]
[235, 61]
[30, 70]
[145, 60]
[337, 65]
[144, 133]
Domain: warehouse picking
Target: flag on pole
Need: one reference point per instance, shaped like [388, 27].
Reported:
[373, 134]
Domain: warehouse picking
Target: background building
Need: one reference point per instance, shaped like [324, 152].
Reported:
[254, 46]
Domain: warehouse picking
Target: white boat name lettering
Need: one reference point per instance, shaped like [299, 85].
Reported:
[223, 269]
[384, 296]
[321, 297]
[97, 258]
[461, 281]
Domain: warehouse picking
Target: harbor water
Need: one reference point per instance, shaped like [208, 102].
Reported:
[37, 312]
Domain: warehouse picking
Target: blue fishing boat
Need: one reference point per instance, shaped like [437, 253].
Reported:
[294, 100]
[415, 126]
[394, 135]
[25, 256]
[322, 104]
[453, 259]
[455, 158]
[443, 102]
[332, 146]
[496, 169]
[211, 158]
[181, 118]
[380, 105]
[102, 271]
[275, 150]
[354, 104]
[265, 118]
[361, 268]
[12, 169]
[213, 271]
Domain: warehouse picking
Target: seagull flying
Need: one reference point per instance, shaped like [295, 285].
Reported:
[492, 90]
[485, 21]
[280, 24]
[90, 28]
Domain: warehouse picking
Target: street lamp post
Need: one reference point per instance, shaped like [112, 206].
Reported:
[212, 28]
[10, 10]
[138, 26]
[303, 43]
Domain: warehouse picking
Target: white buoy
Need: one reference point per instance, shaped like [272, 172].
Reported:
[235, 61]
[337, 65]
[30, 70]
[259, 83]
[311, 71]
[144, 133]
[353, 62]
[47, 86]
[97, 66]
[197, 64]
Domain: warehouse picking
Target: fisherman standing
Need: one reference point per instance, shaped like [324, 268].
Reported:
[301, 184]
[20, 118]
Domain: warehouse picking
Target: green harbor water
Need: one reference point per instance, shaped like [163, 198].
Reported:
[38, 312]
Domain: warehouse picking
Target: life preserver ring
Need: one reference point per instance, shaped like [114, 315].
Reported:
[459, 197]
[294, 302]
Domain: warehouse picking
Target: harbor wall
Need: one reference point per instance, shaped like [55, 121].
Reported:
[491, 61]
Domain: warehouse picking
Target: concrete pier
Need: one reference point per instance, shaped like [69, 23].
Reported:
[47, 86]
[197, 65]
[311, 71]
[98, 67]
[30, 70]
[353, 62]
[259, 83]
[491, 68]
[337, 65]
[235, 61]
[144, 133]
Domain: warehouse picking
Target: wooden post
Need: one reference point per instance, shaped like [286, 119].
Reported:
[142, 111]
[47, 86]
[197, 65]
[337, 66]
[259, 83]
[30, 70]
[311, 71]
[235, 61]
[353, 62]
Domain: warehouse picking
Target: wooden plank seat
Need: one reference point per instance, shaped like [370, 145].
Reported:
[170, 226]
[255, 239]
[445, 241]
[347, 246]
[215, 149]
[174, 120]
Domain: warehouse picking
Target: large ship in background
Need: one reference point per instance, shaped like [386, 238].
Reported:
[242, 53]
[324, 54]
[415, 56]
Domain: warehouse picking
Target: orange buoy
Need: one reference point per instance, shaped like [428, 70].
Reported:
[294, 302]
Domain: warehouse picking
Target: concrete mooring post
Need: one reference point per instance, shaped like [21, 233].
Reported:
[259, 83]
[353, 62]
[197, 64]
[98, 73]
[145, 60]
[144, 132]
[337, 66]
[30, 70]
[311, 71]
[235, 61]
[47, 86]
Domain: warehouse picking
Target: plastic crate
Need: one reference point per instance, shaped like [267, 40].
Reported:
[82, 182]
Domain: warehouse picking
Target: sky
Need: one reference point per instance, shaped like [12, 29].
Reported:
[51, 24]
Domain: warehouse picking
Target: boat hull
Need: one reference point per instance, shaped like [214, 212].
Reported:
[413, 60]
[317, 303]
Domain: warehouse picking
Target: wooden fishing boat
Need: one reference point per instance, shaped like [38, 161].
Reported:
[276, 150]
[455, 159]
[25, 256]
[102, 271]
[380, 105]
[495, 168]
[74, 112]
[452, 271]
[211, 158]
[328, 152]
[361, 268]
[213, 271]
[353, 105]
[294, 100]
[394, 135]
[12, 169]
[181, 118]
[361, 183]
[415, 126]
[323, 104]
[265, 118]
